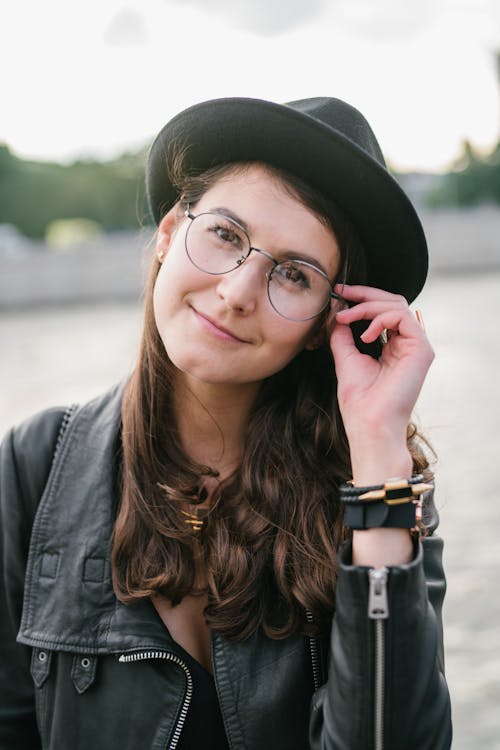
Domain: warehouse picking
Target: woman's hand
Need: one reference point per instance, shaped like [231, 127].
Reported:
[377, 397]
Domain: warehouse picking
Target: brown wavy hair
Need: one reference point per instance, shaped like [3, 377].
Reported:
[275, 525]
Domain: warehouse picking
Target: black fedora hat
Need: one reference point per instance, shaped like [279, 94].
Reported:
[326, 142]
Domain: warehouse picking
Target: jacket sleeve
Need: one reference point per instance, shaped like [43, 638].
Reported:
[25, 459]
[386, 686]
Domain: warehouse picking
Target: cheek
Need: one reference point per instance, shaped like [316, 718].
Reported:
[172, 278]
[290, 338]
[165, 295]
[159, 296]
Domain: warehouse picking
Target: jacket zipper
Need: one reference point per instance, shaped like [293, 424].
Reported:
[378, 610]
[145, 655]
[68, 413]
[313, 650]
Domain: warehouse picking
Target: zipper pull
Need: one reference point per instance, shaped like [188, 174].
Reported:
[378, 606]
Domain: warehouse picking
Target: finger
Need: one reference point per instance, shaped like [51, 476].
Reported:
[393, 322]
[341, 337]
[343, 347]
[368, 310]
[360, 293]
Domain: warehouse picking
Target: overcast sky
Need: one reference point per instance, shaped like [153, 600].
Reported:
[94, 78]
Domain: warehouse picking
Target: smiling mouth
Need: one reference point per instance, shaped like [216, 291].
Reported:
[217, 329]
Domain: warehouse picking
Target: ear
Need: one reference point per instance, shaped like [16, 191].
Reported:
[321, 332]
[166, 231]
[317, 340]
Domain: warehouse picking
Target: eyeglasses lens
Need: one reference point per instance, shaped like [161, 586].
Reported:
[215, 244]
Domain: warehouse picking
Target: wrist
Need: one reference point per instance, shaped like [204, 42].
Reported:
[375, 466]
[377, 547]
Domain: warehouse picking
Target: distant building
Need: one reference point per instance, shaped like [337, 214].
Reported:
[12, 242]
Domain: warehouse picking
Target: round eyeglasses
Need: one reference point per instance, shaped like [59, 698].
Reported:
[297, 289]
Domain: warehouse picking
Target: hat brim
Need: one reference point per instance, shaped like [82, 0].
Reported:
[241, 129]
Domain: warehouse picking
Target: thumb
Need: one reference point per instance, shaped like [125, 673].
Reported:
[342, 340]
[342, 346]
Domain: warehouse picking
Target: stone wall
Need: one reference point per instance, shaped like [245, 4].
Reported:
[113, 269]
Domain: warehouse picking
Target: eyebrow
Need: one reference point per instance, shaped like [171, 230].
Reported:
[284, 255]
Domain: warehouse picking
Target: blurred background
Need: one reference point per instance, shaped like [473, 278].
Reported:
[85, 86]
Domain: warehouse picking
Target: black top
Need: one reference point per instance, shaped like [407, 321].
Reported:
[204, 727]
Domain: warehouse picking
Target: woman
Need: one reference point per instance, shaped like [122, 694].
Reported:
[200, 572]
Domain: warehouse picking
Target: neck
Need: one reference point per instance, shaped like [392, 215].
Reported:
[212, 421]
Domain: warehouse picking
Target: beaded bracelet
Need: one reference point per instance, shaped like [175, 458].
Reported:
[394, 504]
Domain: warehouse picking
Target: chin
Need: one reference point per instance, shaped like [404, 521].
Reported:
[192, 367]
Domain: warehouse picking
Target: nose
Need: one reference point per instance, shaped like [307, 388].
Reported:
[242, 288]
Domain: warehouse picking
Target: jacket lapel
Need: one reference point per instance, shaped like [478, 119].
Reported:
[69, 603]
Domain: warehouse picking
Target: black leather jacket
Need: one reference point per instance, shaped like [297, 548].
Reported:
[88, 672]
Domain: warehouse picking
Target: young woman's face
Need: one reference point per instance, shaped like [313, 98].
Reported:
[222, 328]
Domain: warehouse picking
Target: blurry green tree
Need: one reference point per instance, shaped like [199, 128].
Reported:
[111, 193]
[473, 179]
[32, 194]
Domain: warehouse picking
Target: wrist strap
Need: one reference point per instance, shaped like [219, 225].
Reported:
[380, 515]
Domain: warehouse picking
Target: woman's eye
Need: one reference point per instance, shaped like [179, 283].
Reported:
[226, 234]
[293, 274]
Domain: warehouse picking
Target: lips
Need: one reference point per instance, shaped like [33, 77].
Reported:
[216, 328]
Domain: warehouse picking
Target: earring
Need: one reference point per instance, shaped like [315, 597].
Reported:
[161, 256]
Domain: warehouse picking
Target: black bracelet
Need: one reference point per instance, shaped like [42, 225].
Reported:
[393, 492]
[380, 515]
[390, 505]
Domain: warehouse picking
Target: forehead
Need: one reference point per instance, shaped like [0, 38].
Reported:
[265, 176]
[274, 216]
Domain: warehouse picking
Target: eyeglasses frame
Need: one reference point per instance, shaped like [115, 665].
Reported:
[276, 263]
